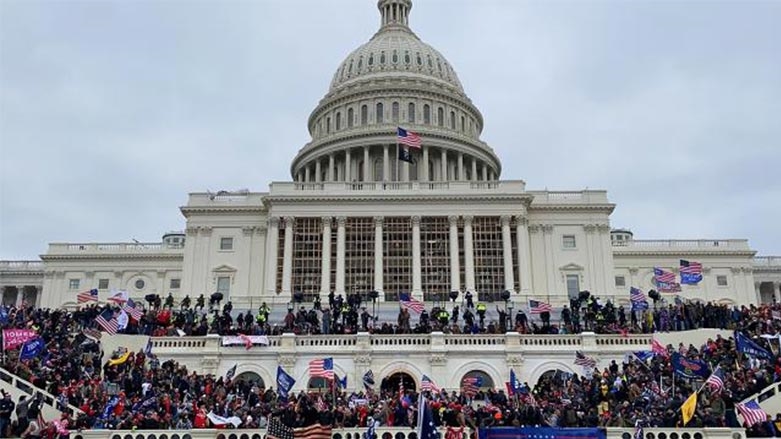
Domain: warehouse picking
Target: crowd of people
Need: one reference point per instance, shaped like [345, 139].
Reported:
[136, 390]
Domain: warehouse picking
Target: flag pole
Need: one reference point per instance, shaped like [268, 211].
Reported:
[398, 151]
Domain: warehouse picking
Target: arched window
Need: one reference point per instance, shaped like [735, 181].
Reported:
[251, 377]
[411, 112]
[328, 125]
[378, 118]
[378, 175]
[476, 379]
[395, 112]
[318, 384]
[338, 120]
[364, 114]
[360, 63]
[452, 120]
[395, 58]
[440, 117]
[463, 124]
[426, 114]
[406, 57]
[350, 117]
[371, 59]
[382, 57]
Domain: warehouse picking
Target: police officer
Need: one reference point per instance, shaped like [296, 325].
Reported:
[481, 313]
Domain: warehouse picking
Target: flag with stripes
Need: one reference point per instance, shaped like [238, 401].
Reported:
[407, 301]
[427, 385]
[658, 348]
[87, 296]
[278, 430]
[638, 299]
[539, 307]
[691, 272]
[407, 138]
[93, 334]
[582, 360]
[751, 412]
[316, 431]
[322, 367]
[716, 380]
[665, 281]
[133, 309]
[471, 385]
[108, 321]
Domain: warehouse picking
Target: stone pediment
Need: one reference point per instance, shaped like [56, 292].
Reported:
[571, 267]
[224, 268]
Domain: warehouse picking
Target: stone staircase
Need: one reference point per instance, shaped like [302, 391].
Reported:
[17, 387]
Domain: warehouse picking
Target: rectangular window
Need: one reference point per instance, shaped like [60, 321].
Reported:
[73, 284]
[226, 243]
[102, 284]
[721, 281]
[176, 284]
[568, 241]
[573, 286]
[620, 281]
[224, 285]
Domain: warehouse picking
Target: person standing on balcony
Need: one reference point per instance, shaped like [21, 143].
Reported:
[6, 408]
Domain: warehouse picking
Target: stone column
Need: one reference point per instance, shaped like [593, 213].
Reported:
[340, 248]
[385, 164]
[318, 171]
[307, 175]
[272, 244]
[484, 171]
[461, 176]
[423, 171]
[287, 257]
[550, 249]
[378, 268]
[443, 165]
[347, 166]
[507, 252]
[777, 291]
[331, 176]
[455, 269]
[474, 169]
[366, 168]
[469, 255]
[524, 254]
[325, 266]
[20, 293]
[416, 278]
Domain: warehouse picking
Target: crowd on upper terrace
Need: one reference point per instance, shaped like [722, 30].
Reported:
[143, 392]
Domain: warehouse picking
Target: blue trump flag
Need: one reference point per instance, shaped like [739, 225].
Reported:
[3, 315]
[643, 355]
[109, 407]
[538, 432]
[689, 368]
[514, 383]
[746, 346]
[426, 427]
[285, 382]
[31, 349]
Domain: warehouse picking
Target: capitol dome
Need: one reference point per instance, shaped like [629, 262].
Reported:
[395, 80]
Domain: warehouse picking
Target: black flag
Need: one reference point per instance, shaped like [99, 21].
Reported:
[405, 155]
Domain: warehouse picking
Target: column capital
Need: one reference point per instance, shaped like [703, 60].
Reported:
[205, 230]
[505, 219]
[415, 220]
[590, 228]
[547, 228]
[534, 228]
[453, 220]
[521, 220]
[378, 221]
[289, 220]
[248, 230]
[191, 231]
[326, 221]
[273, 221]
[603, 228]
[633, 270]
[341, 221]
[468, 220]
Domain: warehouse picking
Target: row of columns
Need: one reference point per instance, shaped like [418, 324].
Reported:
[20, 290]
[523, 255]
[313, 173]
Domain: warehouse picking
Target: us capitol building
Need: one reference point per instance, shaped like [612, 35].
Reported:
[354, 219]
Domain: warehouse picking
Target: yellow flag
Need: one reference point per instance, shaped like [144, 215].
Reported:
[119, 360]
[688, 407]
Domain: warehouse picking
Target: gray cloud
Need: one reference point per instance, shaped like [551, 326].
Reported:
[111, 112]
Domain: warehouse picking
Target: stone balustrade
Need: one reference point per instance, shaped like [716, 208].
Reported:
[394, 433]
[21, 265]
[511, 187]
[767, 262]
[683, 244]
[112, 248]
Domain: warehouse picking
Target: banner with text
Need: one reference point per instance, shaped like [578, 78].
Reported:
[13, 338]
[235, 340]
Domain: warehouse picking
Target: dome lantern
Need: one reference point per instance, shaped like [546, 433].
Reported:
[394, 12]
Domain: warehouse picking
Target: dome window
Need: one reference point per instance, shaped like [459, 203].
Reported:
[382, 57]
[350, 69]
[426, 114]
[419, 59]
[430, 64]
[406, 58]
[440, 116]
[463, 124]
[439, 66]
[395, 58]
[350, 117]
[380, 116]
[364, 114]
[452, 120]
[395, 112]
[328, 125]
[360, 63]
[411, 112]
[338, 121]
[371, 59]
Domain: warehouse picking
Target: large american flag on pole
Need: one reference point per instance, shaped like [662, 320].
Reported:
[427, 385]
[87, 296]
[752, 413]
[108, 321]
[408, 138]
[691, 272]
[716, 380]
[582, 360]
[322, 367]
[539, 307]
[133, 309]
[665, 281]
[407, 301]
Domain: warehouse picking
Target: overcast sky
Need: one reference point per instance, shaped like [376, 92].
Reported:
[112, 111]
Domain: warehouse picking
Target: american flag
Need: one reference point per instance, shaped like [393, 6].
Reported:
[690, 267]
[539, 307]
[582, 360]
[471, 385]
[92, 333]
[636, 295]
[752, 413]
[87, 296]
[322, 367]
[407, 138]
[277, 430]
[315, 431]
[427, 385]
[133, 309]
[407, 301]
[716, 380]
[658, 348]
[108, 321]
[664, 276]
